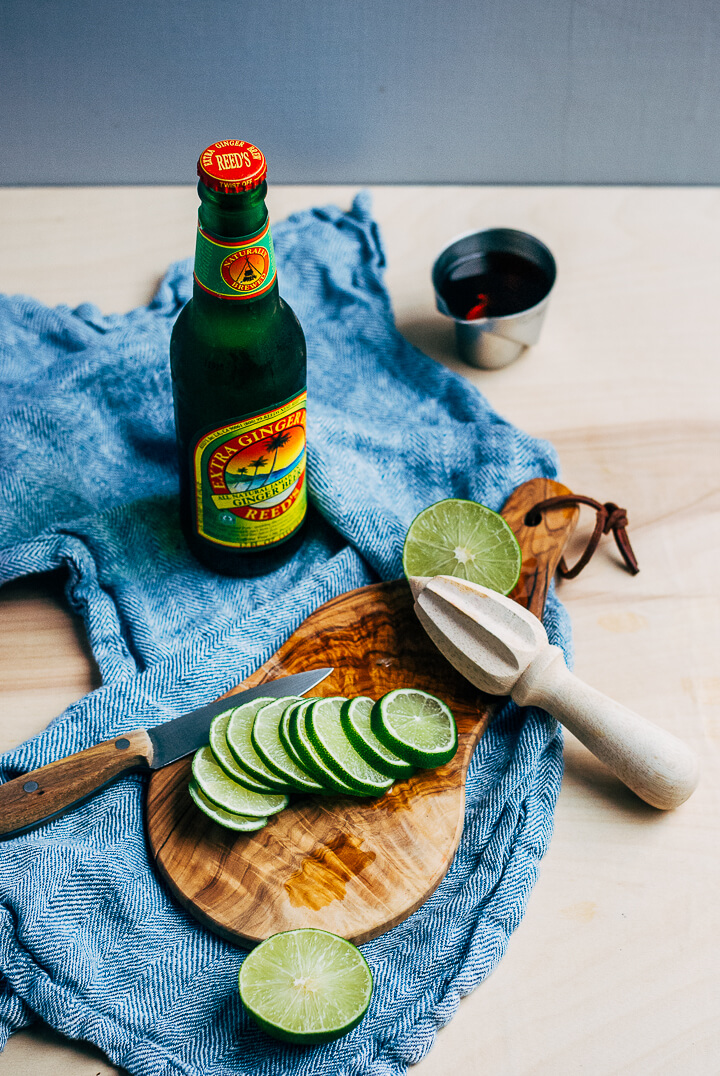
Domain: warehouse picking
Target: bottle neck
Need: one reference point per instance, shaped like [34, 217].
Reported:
[232, 215]
[242, 274]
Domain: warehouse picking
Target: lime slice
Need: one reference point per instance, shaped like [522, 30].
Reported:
[324, 728]
[225, 758]
[306, 986]
[284, 729]
[310, 757]
[241, 822]
[416, 726]
[228, 794]
[266, 741]
[355, 719]
[239, 738]
[464, 539]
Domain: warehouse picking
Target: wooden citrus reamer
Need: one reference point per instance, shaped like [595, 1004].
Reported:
[503, 649]
[353, 866]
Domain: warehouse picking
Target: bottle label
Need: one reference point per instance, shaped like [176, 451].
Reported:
[249, 477]
[235, 268]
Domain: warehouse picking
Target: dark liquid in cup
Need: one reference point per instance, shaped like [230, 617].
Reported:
[498, 284]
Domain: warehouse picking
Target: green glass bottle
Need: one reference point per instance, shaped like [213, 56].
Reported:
[238, 363]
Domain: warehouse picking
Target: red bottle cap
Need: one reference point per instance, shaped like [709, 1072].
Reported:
[230, 166]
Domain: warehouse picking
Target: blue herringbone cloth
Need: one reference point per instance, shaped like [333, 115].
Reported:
[89, 938]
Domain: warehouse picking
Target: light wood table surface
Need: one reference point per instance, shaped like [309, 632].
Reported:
[614, 969]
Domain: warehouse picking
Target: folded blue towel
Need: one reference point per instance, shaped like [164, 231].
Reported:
[89, 939]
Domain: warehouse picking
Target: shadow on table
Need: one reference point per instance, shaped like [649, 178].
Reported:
[587, 775]
[433, 336]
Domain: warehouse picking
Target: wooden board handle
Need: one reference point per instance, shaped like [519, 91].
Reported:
[34, 797]
[657, 766]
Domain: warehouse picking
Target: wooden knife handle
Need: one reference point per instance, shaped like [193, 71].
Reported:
[34, 797]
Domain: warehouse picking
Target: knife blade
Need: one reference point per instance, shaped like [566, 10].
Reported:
[49, 791]
[173, 739]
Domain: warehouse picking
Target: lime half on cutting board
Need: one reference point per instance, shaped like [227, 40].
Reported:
[306, 986]
[464, 539]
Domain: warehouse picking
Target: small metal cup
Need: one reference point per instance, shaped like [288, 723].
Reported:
[491, 343]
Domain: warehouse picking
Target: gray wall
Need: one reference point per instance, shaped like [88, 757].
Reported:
[396, 91]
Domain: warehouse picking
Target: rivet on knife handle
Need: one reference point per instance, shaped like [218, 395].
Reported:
[34, 797]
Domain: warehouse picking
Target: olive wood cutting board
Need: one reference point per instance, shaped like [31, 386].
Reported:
[353, 866]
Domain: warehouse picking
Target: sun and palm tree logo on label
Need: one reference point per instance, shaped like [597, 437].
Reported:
[266, 461]
[246, 269]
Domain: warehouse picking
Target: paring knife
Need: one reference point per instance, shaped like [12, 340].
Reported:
[45, 793]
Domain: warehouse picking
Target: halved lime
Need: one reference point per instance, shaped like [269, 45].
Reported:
[355, 719]
[239, 738]
[228, 794]
[324, 728]
[241, 822]
[306, 986]
[464, 539]
[266, 741]
[416, 726]
[310, 757]
[226, 759]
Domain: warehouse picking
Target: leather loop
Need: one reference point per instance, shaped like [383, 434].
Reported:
[609, 517]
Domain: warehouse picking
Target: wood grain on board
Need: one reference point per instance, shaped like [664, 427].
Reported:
[351, 865]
